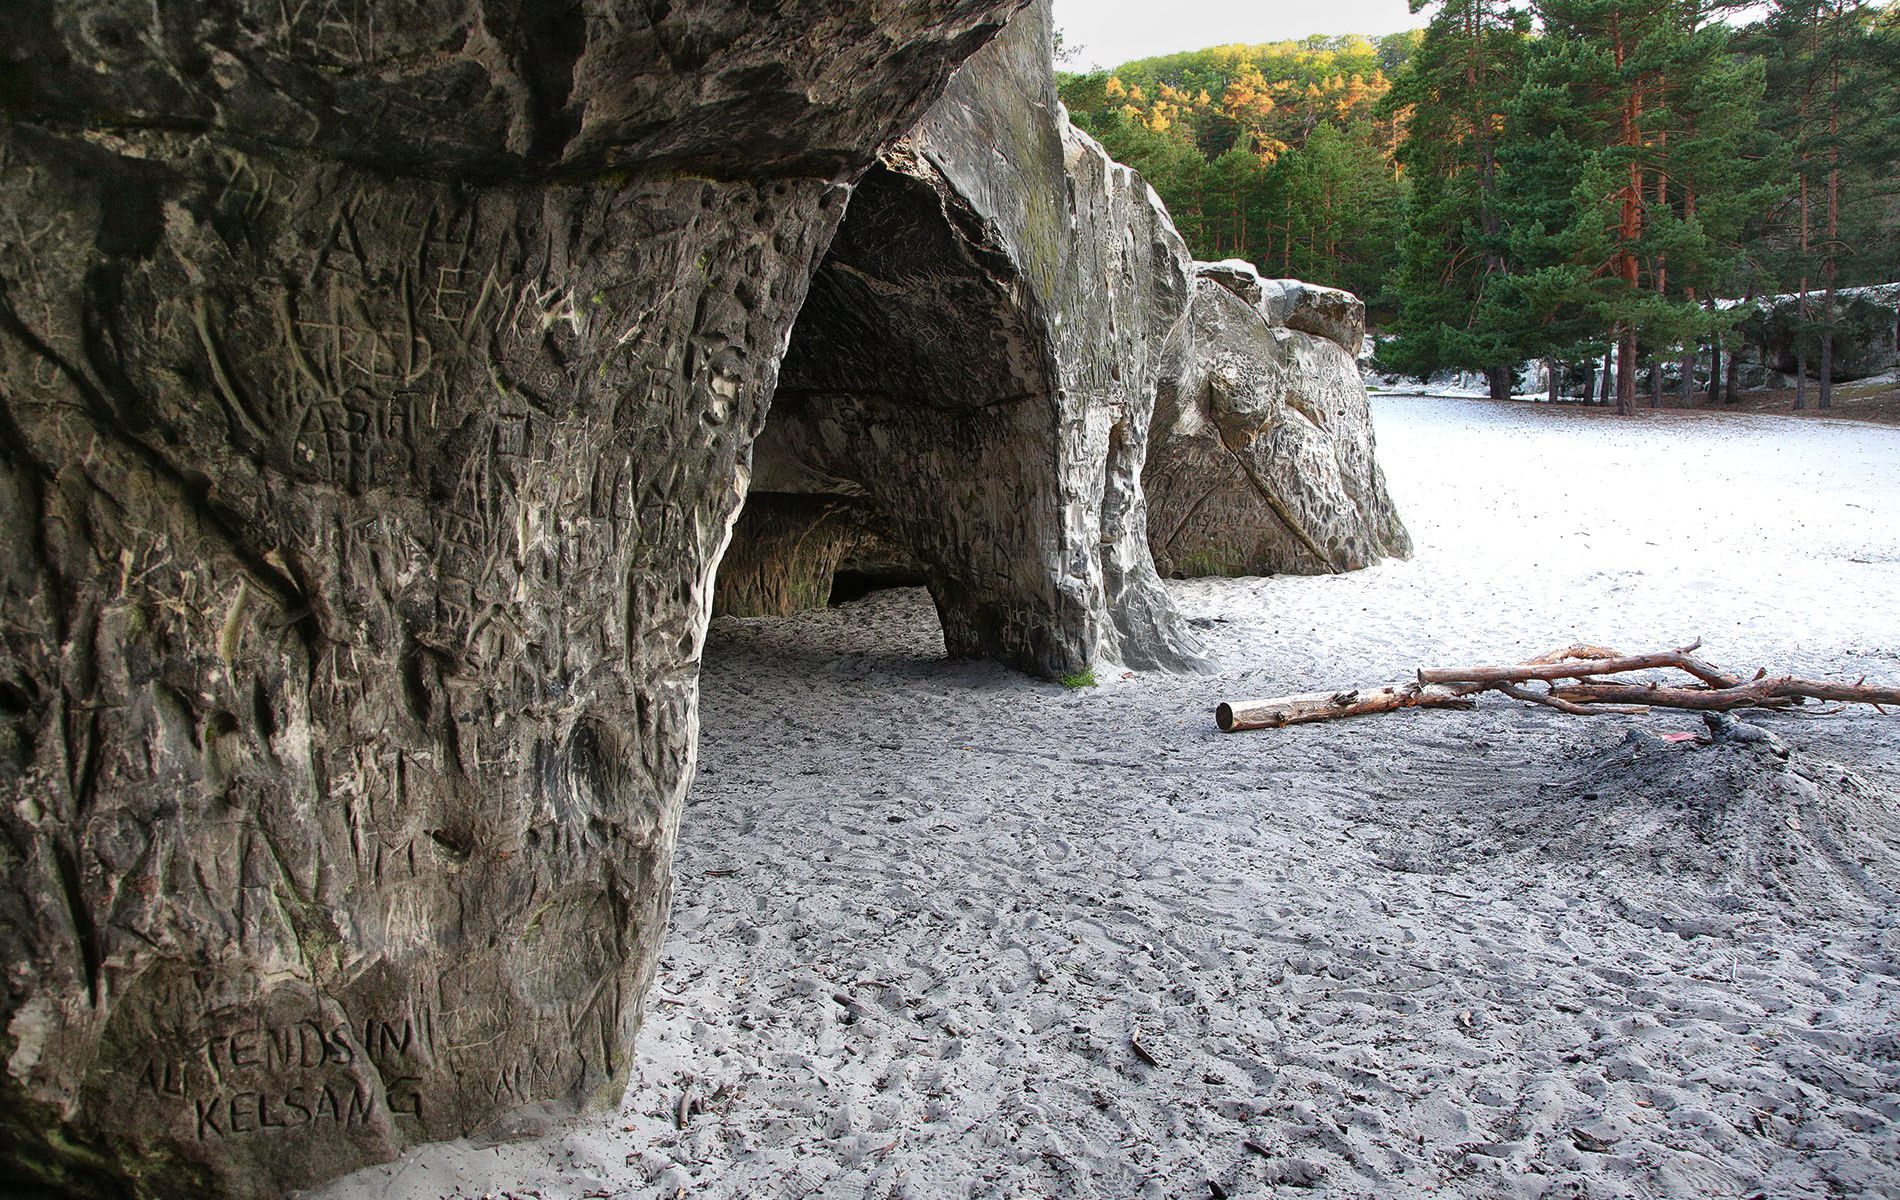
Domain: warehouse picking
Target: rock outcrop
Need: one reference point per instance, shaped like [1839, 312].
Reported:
[975, 368]
[378, 391]
[974, 375]
[1261, 458]
[1866, 332]
[376, 385]
[1324, 312]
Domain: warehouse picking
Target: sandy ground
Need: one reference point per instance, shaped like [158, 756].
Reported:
[941, 930]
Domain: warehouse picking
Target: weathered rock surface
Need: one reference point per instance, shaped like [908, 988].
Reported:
[977, 361]
[375, 392]
[786, 550]
[1262, 451]
[1866, 337]
[1330, 313]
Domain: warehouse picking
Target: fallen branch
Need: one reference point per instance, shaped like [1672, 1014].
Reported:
[1761, 693]
[1580, 650]
[1328, 706]
[1591, 693]
[1551, 700]
[1581, 667]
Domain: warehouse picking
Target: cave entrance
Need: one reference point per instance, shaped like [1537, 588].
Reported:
[913, 434]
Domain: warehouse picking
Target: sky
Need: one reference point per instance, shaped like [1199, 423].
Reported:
[1111, 32]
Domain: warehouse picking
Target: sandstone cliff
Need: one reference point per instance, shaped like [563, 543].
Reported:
[375, 392]
[377, 396]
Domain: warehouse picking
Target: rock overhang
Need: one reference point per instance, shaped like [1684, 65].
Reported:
[372, 471]
[377, 390]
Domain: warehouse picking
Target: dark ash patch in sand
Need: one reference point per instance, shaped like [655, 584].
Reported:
[1743, 818]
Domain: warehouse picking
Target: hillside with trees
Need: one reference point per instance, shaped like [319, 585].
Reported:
[1583, 182]
[1282, 154]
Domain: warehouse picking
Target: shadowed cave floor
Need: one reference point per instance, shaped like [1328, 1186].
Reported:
[927, 910]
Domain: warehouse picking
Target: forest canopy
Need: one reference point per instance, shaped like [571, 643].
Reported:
[1542, 180]
[1278, 153]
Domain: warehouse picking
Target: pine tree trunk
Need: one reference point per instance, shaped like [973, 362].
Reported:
[1732, 392]
[1825, 395]
[1626, 371]
[1824, 392]
[1716, 346]
[1662, 261]
[1500, 380]
[1801, 312]
[1552, 383]
[1831, 268]
[1629, 230]
[1689, 344]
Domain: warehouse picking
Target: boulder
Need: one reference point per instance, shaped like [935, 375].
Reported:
[376, 390]
[1262, 449]
[1866, 333]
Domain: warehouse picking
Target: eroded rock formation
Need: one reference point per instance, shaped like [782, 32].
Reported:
[378, 390]
[1261, 458]
[977, 363]
[375, 391]
[974, 375]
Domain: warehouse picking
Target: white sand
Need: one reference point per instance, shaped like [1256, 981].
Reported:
[1395, 957]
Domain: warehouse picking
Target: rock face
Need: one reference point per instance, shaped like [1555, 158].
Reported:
[376, 386]
[786, 550]
[976, 364]
[1324, 312]
[378, 392]
[1866, 338]
[1262, 451]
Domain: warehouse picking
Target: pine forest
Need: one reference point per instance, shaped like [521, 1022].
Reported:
[1593, 184]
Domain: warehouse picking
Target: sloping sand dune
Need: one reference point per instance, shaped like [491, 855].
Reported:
[944, 931]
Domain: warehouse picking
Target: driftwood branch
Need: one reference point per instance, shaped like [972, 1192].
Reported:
[1591, 690]
[1330, 706]
[1584, 668]
[1760, 693]
[1561, 704]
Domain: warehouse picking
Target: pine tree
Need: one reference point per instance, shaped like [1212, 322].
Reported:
[1848, 55]
[1457, 85]
[1292, 164]
[1334, 205]
[1644, 104]
[1232, 183]
[1834, 96]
